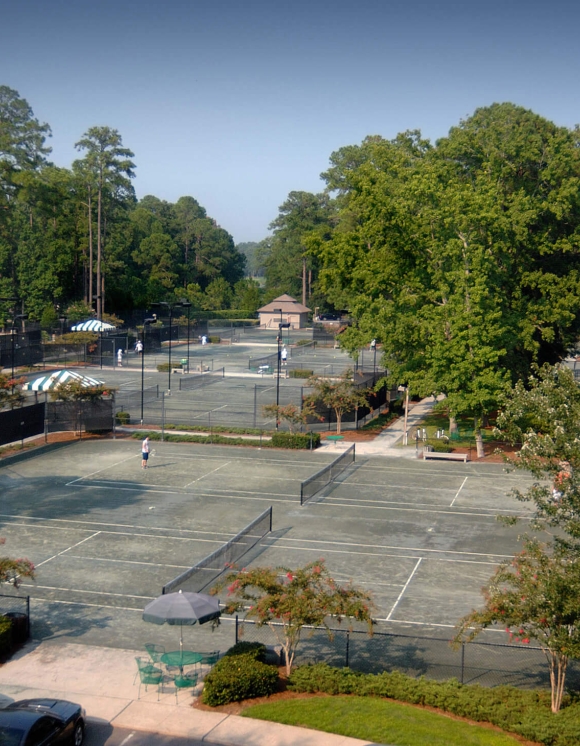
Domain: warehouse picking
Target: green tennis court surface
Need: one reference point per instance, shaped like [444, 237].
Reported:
[106, 535]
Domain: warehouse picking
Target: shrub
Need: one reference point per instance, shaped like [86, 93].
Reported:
[301, 342]
[5, 636]
[295, 440]
[300, 373]
[255, 649]
[123, 418]
[524, 712]
[237, 677]
[214, 339]
[440, 446]
[164, 367]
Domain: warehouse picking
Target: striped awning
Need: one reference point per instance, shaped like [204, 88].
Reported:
[92, 325]
[57, 378]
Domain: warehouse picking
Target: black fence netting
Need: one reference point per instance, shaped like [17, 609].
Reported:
[186, 383]
[88, 416]
[312, 486]
[487, 664]
[24, 422]
[208, 570]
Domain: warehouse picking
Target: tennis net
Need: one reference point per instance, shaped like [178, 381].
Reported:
[317, 482]
[187, 383]
[208, 570]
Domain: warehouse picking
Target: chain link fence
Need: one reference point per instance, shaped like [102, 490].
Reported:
[487, 664]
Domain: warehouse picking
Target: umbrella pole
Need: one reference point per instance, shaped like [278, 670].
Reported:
[181, 638]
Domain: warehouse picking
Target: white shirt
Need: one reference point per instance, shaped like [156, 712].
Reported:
[145, 446]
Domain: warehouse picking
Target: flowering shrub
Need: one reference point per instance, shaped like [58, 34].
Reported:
[237, 677]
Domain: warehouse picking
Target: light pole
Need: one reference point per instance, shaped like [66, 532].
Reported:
[170, 308]
[18, 317]
[279, 339]
[146, 323]
[187, 304]
[406, 390]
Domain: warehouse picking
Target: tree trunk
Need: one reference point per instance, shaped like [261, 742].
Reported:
[303, 280]
[338, 421]
[479, 443]
[558, 666]
[453, 429]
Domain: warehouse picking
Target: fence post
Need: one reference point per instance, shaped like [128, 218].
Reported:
[462, 662]
[347, 646]
[237, 629]
[255, 403]
[162, 416]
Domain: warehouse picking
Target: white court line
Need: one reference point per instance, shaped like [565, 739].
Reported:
[83, 590]
[458, 491]
[128, 562]
[203, 476]
[54, 556]
[392, 548]
[455, 513]
[388, 619]
[68, 484]
[365, 501]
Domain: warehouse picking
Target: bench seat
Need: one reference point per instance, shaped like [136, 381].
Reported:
[449, 456]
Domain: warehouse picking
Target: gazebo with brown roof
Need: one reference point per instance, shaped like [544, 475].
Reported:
[284, 309]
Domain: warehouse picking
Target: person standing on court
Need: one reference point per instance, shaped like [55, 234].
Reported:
[204, 340]
[145, 453]
[284, 355]
[138, 347]
[120, 357]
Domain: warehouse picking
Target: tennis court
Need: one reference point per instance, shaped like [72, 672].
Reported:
[106, 535]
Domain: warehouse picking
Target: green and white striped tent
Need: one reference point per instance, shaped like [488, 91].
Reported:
[92, 325]
[58, 378]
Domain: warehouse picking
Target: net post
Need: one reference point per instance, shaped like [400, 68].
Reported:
[270, 519]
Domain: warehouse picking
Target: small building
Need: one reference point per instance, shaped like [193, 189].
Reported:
[284, 309]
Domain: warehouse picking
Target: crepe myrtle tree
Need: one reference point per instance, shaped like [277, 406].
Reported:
[535, 597]
[542, 414]
[288, 600]
[290, 413]
[13, 570]
[340, 395]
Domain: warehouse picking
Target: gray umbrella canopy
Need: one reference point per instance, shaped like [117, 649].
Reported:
[182, 609]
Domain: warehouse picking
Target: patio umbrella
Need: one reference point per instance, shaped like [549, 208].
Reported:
[182, 609]
[57, 378]
[92, 325]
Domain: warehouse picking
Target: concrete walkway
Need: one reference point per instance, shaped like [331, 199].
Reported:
[102, 680]
[385, 444]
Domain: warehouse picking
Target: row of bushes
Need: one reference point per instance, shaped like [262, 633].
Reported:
[278, 440]
[240, 674]
[5, 636]
[300, 373]
[524, 712]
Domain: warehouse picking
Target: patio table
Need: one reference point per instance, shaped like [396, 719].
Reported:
[181, 658]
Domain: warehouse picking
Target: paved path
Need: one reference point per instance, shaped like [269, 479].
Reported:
[102, 680]
[385, 444]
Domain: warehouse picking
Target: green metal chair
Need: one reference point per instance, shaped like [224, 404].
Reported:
[155, 651]
[148, 675]
[209, 659]
[183, 681]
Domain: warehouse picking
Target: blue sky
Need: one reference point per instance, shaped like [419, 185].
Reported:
[238, 103]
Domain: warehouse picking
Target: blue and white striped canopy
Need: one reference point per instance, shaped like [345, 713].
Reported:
[57, 378]
[92, 325]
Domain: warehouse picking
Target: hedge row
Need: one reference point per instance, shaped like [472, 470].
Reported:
[524, 712]
[278, 440]
[240, 674]
[300, 373]
[5, 636]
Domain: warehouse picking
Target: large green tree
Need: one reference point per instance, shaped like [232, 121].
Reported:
[461, 257]
[109, 167]
[289, 265]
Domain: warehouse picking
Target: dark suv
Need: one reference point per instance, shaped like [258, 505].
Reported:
[42, 722]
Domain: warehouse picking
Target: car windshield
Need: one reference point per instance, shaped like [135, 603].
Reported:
[10, 736]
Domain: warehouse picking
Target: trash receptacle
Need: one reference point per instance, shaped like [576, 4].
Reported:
[184, 364]
[19, 626]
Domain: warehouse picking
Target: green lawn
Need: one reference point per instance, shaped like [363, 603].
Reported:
[378, 720]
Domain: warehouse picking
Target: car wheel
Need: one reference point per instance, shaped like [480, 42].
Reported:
[79, 733]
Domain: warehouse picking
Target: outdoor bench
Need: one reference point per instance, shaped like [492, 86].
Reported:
[449, 456]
